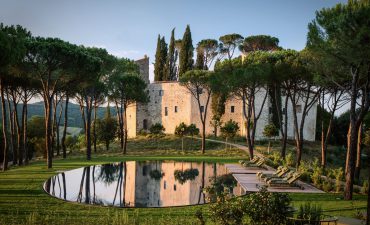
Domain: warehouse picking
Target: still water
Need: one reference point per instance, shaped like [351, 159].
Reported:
[140, 184]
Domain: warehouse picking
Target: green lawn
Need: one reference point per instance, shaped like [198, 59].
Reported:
[22, 200]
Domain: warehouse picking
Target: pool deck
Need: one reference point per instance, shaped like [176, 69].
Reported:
[248, 180]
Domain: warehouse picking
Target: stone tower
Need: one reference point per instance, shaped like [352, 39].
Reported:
[144, 68]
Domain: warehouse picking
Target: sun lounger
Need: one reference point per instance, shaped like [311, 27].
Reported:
[250, 162]
[261, 175]
[286, 174]
[285, 182]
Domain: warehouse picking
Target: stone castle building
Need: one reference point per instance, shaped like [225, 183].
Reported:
[170, 104]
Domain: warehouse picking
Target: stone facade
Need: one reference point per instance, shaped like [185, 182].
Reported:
[170, 104]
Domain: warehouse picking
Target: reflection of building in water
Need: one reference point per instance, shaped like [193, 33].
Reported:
[131, 184]
[143, 190]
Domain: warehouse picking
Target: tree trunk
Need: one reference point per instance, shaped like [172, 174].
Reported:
[54, 124]
[18, 130]
[107, 145]
[48, 101]
[203, 137]
[11, 124]
[125, 131]
[358, 157]
[285, 129]
[120, 124]
[64, 147]
[352, 142]
[88, 128]
[94, 126]
[57, 127]
[24, 128]
[5, 128]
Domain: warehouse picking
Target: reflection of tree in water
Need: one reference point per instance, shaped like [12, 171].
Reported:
[183, 176]
[220, 185]
[108, 173]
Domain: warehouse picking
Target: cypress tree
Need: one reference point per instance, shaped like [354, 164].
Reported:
[171, 58]
[199, 63]
[186, 52]
[157, 63]
[160, 60]
[163, 44]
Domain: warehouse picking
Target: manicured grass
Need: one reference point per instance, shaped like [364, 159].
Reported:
[22, 200]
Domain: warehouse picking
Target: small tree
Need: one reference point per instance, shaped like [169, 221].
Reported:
[192, 131]
[181, 130]
[200, 85]
[270, 131]
[106, 128]
[229, 130]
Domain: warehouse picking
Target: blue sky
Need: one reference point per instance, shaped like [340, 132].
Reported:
[130, 28]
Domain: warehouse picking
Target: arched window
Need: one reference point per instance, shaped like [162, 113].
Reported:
[145, 124]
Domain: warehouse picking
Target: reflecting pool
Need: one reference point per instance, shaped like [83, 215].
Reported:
[141, 184]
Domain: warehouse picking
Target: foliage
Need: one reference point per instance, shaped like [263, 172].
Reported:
[171, 69]
[316, 175]
[276, 158]
[260, 208]
[160, 60]
[181, 130]
[106, 129]
[259, 43]
[219, 186]
[305, 170]
[229, 129]
[192, 130]
[310, 212]
[267, 208]
[270, 131]
[365, 187]
[157, 128]
[70, 141]
[367, 138]
[289, 159]
[338, 175]
[327, 186]
[228, 212]
[156, 174]
[229, 43]
[186, 52]
[183, 176]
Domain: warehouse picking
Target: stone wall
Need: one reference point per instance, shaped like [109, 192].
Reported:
[165, 96]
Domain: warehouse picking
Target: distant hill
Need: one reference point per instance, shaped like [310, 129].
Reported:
[74, 114]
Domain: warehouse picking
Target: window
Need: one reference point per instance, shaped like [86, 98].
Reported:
[298, 108]
[232, 109]
[284, 111]
[145, 170]
[201, 109]
[161, 92]
[165, 111]
[164, 185]
[174, 187]
[175, 109]
[145, 124]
